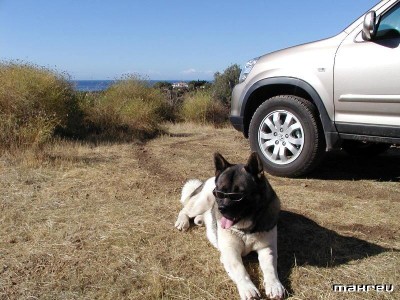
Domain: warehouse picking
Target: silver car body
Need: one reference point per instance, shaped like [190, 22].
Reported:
[354, 83]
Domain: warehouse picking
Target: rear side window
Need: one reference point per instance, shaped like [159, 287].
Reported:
[389, 24]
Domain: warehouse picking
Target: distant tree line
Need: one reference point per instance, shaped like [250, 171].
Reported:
[192, 85]
[220, 87]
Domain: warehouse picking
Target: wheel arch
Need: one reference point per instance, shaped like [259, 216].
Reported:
[270, 87]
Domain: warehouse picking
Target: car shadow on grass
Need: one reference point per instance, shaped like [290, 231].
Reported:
[338, 165]
[302, 242]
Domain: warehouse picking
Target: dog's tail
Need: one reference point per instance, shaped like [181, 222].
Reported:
[191, 188]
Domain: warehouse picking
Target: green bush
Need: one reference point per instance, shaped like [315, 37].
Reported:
[129, 109]
[201, 107]
[35, 103]
[223, 83]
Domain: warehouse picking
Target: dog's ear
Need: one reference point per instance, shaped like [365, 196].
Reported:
[220, 163]
[254, 166]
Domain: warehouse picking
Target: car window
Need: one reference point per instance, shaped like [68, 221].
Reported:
[389, 24]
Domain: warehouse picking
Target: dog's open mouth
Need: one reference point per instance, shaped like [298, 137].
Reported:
[227, 223]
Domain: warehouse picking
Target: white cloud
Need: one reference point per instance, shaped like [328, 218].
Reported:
[194, 71]
[190, 71]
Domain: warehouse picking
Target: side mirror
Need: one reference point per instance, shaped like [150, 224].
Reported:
[369, 28]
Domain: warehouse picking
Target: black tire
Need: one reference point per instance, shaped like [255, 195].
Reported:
[360, 148]
[274, 125]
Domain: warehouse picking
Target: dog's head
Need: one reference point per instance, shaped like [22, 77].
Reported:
[239, 189]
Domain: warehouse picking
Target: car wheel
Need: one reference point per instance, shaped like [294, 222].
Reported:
[286, 134]
[360, 148]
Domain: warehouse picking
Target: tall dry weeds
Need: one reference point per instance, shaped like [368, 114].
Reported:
[200, 107]
[130, 108]
[35, 102]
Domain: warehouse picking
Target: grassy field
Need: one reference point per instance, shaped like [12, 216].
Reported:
[87, 221]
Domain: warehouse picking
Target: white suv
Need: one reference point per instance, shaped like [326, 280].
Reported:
[297, 103]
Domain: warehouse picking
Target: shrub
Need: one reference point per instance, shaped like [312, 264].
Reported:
[163, 85]
[129, 109]
[35, 102]
[223, 83]
[198, 84]
[201, 107]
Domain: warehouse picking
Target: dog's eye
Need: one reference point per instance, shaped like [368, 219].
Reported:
[219, 194]
[230, 196]
[236, 196]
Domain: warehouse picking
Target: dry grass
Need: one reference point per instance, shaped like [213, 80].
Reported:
[34, 103]
[80, 221]
[201, 107]
[129, 109]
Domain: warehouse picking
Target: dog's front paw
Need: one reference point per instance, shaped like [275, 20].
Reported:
[247, 290]
[182, 223]
[274, 289]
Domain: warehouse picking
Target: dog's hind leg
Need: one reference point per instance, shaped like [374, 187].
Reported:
[199, 220]
[196, 206]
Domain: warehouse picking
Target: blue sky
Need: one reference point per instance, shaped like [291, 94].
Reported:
[162, 39]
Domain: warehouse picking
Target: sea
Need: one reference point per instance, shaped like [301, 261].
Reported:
[91, 85]
[101, 85]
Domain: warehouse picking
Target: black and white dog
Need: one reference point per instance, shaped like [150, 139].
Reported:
[240, 211]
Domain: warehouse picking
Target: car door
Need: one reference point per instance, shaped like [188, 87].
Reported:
[367, 80]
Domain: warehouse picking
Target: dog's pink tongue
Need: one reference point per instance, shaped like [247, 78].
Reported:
[226, 223]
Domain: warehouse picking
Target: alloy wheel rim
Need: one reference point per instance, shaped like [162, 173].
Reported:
[281, 137]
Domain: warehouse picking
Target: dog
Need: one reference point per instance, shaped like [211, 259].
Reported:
[240, 211]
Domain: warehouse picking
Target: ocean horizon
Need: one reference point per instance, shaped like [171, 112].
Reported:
[101, 85]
